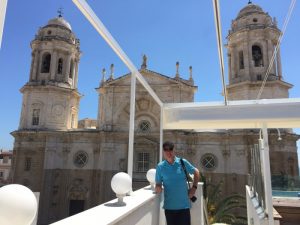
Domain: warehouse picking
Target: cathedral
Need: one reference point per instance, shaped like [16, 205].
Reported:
[71, 162]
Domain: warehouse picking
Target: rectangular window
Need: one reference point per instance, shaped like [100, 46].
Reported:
[1, 174]
[143, 161]
[27, 163]
[35, 117]
[259, 77]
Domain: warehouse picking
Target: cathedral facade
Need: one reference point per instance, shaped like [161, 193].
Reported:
[71, 162]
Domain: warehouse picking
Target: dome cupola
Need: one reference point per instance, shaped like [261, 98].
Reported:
[252, 17]
[59, 21]
[57, 29]
[250, 9]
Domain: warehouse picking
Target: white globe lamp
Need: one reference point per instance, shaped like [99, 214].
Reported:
[151, 177]
[18, 205]
[121, 184]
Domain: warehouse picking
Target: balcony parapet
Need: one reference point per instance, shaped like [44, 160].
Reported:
[143, 207]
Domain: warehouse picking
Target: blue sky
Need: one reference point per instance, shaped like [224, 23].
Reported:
[166, 31]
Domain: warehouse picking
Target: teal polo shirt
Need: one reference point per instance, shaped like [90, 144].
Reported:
[173, 179]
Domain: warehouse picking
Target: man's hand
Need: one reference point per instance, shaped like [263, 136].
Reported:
[158, 188]
[192, 192]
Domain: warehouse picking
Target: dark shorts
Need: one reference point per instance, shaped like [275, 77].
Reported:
[178, 217]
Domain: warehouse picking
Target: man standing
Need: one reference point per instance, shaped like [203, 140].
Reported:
[170, 173]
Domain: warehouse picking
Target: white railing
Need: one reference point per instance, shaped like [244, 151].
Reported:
[143, 207]
[255, 213]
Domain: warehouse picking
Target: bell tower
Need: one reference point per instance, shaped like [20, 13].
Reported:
[50, 97]
[251, 43]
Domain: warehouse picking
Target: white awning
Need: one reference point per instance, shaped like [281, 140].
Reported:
[275, 113]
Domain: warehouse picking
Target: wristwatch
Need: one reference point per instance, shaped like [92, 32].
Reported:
[194, 186]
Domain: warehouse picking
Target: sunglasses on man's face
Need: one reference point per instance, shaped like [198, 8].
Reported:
[168, 150]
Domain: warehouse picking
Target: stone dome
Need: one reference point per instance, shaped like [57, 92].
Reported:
[250, 9]
[60, 21]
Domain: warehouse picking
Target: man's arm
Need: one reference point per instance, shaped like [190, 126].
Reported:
[196, 177]
[195, 183]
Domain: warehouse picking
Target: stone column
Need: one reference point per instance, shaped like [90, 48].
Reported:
[53, 65]
[76, 73]
[31, 66]
[67, 71]
[247, 61]
[279, 68]
[270, 54]
[35, 64]
[229, 67]
[265, 58]
[72, 70]
[251, 64]
[233, 71]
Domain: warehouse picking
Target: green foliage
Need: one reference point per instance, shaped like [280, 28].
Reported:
[221, 210]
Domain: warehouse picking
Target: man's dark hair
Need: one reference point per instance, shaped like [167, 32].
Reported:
[168, 145]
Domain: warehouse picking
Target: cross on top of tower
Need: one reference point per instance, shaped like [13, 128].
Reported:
[60, 12]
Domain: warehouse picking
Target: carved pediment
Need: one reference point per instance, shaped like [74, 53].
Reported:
[153, 78]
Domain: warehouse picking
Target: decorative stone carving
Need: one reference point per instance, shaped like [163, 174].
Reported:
[226, 153]
[143, 104]
[78, 190]
[57, 110]
[240, 152]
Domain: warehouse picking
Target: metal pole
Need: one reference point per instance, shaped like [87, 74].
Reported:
[218, 27]
[267, 175]
[131, 125]
[161, 133]
[3, 5]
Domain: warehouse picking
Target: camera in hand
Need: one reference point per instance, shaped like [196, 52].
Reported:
[193, 199]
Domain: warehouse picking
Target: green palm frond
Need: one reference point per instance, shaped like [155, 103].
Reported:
[221, 209]
[214, 192]
[228, 218]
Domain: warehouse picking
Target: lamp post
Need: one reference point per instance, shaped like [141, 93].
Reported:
[121, 184]
[151, 177]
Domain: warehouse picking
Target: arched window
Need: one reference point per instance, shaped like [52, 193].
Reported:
[71, 69]
[46, 60]
[257, 56]
[241, 60]
[59, 66]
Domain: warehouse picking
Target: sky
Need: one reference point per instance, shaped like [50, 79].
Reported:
[166, 31]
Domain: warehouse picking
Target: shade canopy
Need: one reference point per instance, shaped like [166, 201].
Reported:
[274, 113]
